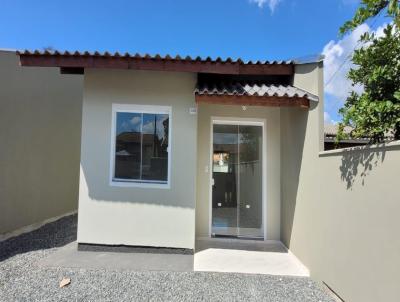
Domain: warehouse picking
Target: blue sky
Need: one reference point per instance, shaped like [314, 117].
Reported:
[250, 29]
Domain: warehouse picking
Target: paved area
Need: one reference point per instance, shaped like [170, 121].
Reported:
[212, 255]
[246, 256]
[23, 279]
[69, 256]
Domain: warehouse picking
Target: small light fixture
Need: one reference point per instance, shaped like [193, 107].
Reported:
[244, 108]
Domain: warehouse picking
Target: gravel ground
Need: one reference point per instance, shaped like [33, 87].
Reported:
[22, 280]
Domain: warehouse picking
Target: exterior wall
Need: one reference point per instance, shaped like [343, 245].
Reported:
[359, 244]
[340, 210]
[131, 215]
[272, 117]
[40, 121]
[302, 139]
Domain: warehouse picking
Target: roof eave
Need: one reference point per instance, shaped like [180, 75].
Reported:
[245, 100]
[154, 63]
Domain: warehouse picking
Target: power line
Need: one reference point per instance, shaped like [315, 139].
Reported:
[349, 55]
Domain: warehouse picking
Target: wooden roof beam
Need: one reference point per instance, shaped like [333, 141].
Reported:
[121, 62]
[254, 100]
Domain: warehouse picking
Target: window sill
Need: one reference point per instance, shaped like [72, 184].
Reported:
[144, 185]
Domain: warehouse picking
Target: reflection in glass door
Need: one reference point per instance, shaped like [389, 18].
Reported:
[237, 180]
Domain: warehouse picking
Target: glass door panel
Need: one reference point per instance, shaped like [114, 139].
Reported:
[237, 180]
[250, 182]
[225, 178]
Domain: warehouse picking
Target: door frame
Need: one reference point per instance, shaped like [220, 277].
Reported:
[248, 122]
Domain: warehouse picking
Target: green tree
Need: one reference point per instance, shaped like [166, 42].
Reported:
[371, 8]
[376, 111]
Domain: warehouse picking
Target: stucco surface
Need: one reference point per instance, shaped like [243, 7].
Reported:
[340, 210]
[271, 116]
[344, 227]
[130, 215]
[40, 121]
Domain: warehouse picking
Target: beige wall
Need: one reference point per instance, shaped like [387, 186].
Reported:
[128, 215]
[40, 120]
[302, 139]
[359, 246]
[272, 117]
[340, 210]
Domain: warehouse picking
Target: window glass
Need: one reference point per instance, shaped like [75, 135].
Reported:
[154, 147]
[127, 145]
[141, 147]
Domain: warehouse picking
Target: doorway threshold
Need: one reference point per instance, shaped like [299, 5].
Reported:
[238, 237]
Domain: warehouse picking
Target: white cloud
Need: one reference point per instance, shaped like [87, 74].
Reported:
[149, 127]
[337, 62]
[328, 119]
[135, 120]
[271, 3]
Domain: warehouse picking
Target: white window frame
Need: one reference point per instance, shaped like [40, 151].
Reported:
[134, 108]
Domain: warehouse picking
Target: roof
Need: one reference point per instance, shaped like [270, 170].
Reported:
[250, 89]
[261, 92]
[149, 56]
[332, 129]
[87, 59]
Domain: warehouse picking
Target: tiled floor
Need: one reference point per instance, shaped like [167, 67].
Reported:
[246, 256]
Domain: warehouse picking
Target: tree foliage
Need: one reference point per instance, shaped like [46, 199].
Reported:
[371, 8]
[375, 112]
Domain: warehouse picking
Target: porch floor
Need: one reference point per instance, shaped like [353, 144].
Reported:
[246, 256]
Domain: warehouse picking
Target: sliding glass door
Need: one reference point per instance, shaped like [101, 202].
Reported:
[237, 164]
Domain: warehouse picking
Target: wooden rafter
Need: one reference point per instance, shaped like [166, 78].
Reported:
[143, 63]
[254, 100]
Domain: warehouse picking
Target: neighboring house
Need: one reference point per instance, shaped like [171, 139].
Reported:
[40, 125]
[178, 148]
[330, 134]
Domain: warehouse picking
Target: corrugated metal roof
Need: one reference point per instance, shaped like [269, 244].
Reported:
[248, 89]
[151, 57]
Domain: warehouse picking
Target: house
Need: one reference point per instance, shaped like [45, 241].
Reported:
[330, 134]
[176, 148]
[331, 131]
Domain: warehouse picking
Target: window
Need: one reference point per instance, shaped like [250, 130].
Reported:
[141, 145]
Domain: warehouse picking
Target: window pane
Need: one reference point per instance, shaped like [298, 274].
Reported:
[155, 146]
[127, 146]
[250, 186]
[225, 176]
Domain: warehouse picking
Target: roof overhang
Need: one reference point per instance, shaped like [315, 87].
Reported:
[76, 62]
[245, 100]
[251, 94]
